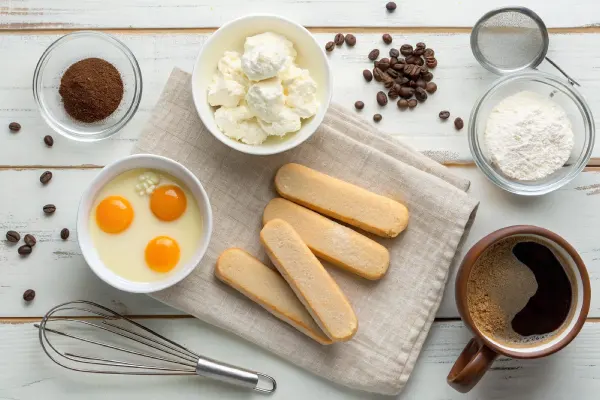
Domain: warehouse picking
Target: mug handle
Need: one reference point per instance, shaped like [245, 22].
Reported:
[471, 365]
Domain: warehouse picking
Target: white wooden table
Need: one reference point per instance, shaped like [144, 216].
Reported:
[168, 33]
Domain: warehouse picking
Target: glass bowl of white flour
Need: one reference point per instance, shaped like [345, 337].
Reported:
[531, 133]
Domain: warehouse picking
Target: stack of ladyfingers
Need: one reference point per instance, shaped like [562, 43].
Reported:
[303, 294]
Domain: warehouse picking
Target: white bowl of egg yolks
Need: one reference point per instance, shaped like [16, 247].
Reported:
[127, 236]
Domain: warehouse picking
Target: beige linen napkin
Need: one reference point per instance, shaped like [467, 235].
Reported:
[395, 313]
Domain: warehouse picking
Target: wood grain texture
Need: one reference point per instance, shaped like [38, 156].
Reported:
[460, 80]
[193, 13]
[571, 373]
[58, 273]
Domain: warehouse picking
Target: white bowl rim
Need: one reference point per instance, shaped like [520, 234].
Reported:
[258, 149]
[538, 190]
[111, 171]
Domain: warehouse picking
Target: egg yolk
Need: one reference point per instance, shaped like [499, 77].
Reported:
[168, 202]
[162, 254]
[114, 214]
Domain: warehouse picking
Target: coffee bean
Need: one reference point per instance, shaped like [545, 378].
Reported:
[377, 117]
[427, 76]
[459, 123]
[422, 84]
[388, 82]
[391, 6]
[374, 54]
[403, 81]
[412, 71]
[367, 75]
[394, 53]
[387, 38]
[14, 127]
[45, 177]
[378, 74]
[24, 250]
[412, 103]
[431, 87]
[416, 60]
[412, 84]
[49, 140]
[384, 64]
[431, 62]
[418, 51]
[406, 50]
[399, 66]
[330, 46]
[444, 114]
[406, 92]
[49, 208]
[350, 39]
[420, 94]
[397, 87]
[382, 99]
[392, 94]
[429, 53]
[402, 103]
[30, 240]
[392, 73]
[29, 295]
[421, 45]
[64, 233]
[393, 61]
[13, 236]
[359, 105]
[339, 39]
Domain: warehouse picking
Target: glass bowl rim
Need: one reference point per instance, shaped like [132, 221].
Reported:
[129, 113]
[550, 80]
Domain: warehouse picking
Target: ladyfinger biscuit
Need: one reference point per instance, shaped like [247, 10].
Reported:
[266, 287]
[315, 288]
[331, 241]
[341, 200]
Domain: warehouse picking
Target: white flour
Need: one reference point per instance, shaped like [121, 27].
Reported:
[528, 136]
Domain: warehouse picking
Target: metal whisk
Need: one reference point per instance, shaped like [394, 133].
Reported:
[110, 343]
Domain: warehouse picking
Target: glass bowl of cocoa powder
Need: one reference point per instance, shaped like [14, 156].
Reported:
[87, 85]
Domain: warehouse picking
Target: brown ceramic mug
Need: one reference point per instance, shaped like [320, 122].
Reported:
[482, 350]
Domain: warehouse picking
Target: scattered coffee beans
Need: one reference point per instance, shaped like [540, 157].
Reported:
[458, 123]
[367, 75]
[29, 295]
[339, 39]
[45, 177]
[14, 127]
[49, 208]
[359, 105]
[428, 53]
[391, 6]
[49, 140]
[374, 54]
[431, 87]
[13, 236]
[24, 250]
[350, 39]
[402, 104]
[64, 234]
[412, 103]
[420, 94]
[30, 240]
[406, 50]
[329, 46]
[377, 117]
[382, 99]
[91, 90]
[444, 114]
[387, 38]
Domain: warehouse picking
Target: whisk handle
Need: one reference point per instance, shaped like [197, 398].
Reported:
[227, 373]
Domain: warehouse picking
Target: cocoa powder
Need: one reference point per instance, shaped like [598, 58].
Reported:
[91, 90]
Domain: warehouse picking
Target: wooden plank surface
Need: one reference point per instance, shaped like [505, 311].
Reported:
[57, 271]
[460, 80]
[18, 14]
[571, 373]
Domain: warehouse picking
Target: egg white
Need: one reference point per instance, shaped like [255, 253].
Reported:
[123, 253]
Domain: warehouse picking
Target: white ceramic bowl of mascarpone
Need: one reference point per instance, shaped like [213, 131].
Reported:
[231, 37]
